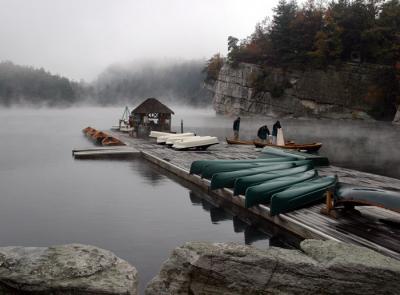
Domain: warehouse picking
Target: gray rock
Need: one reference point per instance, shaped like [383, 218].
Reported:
[67, 269]
[348, 92]
[324, 267]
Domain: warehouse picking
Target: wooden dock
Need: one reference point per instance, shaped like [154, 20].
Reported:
[372, 227]
[105, 152]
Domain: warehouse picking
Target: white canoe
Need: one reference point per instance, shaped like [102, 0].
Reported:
[163, 139]
[202, 142]
[156, 134]
[171, 140]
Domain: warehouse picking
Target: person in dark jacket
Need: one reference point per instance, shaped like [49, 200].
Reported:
[275, 128]
[236, 127]
[263, 133]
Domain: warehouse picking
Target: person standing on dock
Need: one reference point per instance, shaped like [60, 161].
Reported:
[275, 128]
[263, 133]
[236, 127]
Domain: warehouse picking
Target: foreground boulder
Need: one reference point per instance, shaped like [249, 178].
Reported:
[68, 269]
[325, 267]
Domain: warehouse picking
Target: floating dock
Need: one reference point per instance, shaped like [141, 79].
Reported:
[372, 227]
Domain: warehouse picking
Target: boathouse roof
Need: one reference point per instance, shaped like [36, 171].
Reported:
[152, 105]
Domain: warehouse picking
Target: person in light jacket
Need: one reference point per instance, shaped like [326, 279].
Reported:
[275, 128]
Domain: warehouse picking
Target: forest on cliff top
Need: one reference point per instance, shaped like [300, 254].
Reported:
[317, 34]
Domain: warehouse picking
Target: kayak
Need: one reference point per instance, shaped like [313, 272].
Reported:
[262, 193]
[242, 183]
[214, 168]
[198, 166]
[367, 196]
[227, 179]
[309, 147]
[301, 194]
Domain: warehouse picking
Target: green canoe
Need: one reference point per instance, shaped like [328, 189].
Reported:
[242, 183]
[214, 168]
[366, 196]
[198, 166]
[301, 194]
[227, 179]
[262, 193]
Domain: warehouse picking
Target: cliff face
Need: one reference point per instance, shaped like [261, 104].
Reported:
[352, 91]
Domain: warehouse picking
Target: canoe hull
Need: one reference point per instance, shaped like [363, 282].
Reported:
[311, 147]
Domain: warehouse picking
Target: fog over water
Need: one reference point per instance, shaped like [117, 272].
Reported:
[130, 207]
[78, 39]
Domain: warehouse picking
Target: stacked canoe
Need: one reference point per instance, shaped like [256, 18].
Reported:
[101, 137]
[184, 141]
[284, 182]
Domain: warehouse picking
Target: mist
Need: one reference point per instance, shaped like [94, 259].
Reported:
[79, 39]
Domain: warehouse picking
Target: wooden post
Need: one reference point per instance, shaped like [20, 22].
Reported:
[329, 209]
[181, 126]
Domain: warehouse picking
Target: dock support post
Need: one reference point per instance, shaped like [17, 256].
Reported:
[329, 209]
[181, 126]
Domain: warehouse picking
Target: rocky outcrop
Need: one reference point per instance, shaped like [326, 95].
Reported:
[353, 91]
[68, 269]
[322, 267]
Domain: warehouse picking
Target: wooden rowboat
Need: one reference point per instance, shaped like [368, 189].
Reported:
[111, 141]
[309, 147]
[234, 141]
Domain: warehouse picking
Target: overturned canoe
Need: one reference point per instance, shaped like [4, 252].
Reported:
[163, 138]
[156, 134]
[243, 183]
[214, 168]
[227, 179]
[200, 143]
[366, 196]
[262, 193]
[309, 147]
[198, 166]
[301, 194]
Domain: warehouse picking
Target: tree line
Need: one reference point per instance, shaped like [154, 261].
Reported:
[175, 81]
[319, 34]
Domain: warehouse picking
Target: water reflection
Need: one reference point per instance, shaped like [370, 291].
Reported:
[267, 233]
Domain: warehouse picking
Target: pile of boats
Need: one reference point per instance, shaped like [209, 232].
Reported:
[287, 182]
[101, 137]
[184, 141]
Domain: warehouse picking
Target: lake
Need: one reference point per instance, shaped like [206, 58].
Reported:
[130, 207]
[133, 208]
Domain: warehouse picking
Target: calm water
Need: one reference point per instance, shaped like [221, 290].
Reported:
[130, 207]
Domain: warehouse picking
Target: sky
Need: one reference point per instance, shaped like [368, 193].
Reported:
[80, 38]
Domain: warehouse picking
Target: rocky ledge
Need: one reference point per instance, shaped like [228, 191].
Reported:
[321, 267]
[68, 269]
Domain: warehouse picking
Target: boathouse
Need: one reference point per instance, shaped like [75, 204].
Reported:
[151, 115]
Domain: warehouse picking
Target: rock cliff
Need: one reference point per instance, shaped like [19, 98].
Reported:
[352, 91]
[322, 267]
[67, 269]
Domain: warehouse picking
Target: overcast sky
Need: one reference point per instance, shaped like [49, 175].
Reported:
[79, 38]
